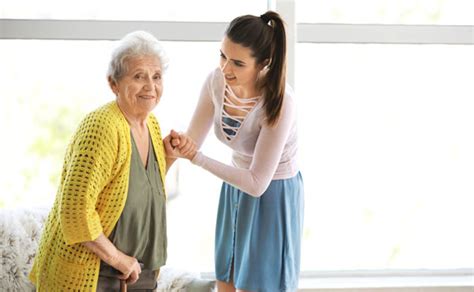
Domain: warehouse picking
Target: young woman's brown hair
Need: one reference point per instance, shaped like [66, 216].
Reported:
[265, 36]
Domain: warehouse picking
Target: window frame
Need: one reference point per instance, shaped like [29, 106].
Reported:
[297, 33]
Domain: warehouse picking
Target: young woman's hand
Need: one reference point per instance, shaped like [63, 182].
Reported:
[179, 145]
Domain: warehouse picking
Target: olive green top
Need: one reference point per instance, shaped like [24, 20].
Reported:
[141, 229]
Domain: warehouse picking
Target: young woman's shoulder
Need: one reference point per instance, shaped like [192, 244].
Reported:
[215, 77]
[214, 84]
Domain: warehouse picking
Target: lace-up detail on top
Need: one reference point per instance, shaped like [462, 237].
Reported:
[231, 123]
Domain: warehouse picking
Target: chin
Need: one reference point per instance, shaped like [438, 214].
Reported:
[152, 101]
[150, 107]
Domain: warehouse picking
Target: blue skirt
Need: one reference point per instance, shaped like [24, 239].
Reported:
[258, 240]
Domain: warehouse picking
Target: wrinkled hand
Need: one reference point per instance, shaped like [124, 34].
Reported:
[179, 145]
[128, 266]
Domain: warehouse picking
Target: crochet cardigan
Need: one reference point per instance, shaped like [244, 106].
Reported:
[91, 196]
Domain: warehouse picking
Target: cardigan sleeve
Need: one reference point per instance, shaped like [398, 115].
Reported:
[87, 169]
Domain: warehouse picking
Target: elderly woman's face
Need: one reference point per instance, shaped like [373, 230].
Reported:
[140, 89]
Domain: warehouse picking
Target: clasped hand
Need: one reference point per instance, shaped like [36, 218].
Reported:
[179, 145]
[129, 267]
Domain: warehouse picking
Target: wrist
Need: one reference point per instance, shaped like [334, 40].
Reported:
[170, 159]
[192, 155]
[113, 258]
[197, 158]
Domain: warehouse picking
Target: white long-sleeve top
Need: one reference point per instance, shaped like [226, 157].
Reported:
[260, 153]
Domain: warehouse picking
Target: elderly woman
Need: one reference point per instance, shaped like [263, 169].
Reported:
[108, 221]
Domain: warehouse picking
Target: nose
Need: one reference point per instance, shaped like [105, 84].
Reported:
[148, 85]
[224, 67]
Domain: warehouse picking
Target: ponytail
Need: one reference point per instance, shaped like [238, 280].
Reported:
[275, 79]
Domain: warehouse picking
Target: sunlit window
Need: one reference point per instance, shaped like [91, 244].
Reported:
[387, 155]
[385, 131]
[47, 87]
[149, 10]
[445, 12]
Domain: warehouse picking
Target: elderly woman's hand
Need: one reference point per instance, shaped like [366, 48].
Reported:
[106, 251]
[180, 145]
[128, 266]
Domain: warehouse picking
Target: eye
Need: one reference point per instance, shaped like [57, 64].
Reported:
[138, 76]
[222, 56]
[238, 64]
[157, 77]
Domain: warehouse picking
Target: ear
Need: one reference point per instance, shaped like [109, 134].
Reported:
[265, 64]
[113, 85]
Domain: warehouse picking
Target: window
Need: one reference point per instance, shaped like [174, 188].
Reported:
[388, 161]
[438, 12]
[388, 178]
[145, 10]
[45, 92]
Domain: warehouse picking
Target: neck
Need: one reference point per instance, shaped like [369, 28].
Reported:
[136, 121]
[245, 92]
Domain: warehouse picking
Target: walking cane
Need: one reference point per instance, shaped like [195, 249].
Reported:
[123, 285]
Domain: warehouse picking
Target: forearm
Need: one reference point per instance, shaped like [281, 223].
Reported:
[107, 252]
[104, 249]
[250, 181]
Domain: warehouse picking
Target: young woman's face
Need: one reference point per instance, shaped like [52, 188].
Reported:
[238, 65]
[140, 89]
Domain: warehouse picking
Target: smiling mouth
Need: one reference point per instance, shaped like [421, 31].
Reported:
[146, 96]
[230, 78]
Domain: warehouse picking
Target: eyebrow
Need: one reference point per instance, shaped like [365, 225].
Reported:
[139, 70]
[236, 61]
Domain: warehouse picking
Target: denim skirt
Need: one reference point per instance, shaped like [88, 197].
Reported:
[258, 240]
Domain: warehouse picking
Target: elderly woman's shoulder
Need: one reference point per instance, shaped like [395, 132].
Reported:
[108, 112]
[106, 119]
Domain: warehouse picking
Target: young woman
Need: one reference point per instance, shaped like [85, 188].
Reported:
[260, 216]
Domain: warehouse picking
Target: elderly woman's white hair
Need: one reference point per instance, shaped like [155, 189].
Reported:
[137, 43]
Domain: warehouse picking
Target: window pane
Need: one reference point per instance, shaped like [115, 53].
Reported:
[387, 155]
[455, 12]
[48, 87]
[176, 10]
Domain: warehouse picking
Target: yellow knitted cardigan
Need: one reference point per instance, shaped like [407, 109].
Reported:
[90, 199]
